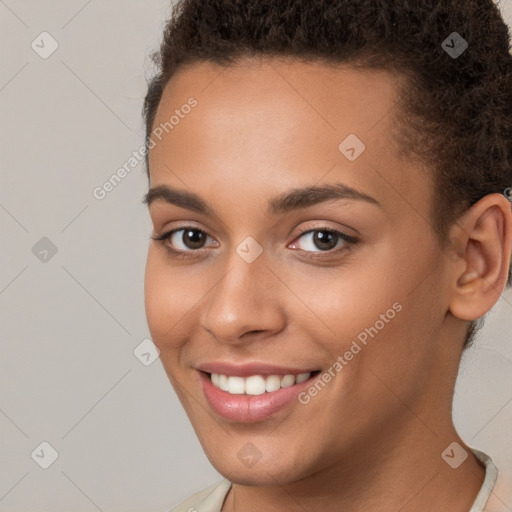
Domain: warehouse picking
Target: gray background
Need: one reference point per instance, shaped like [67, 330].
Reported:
[70, 324]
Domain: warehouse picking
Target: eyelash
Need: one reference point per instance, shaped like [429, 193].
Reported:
[350, 240]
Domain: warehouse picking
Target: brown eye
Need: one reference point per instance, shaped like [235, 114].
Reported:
[188, 239]
[192, 238]
[324, 240]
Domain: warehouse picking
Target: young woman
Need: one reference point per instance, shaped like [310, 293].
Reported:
[329, 193]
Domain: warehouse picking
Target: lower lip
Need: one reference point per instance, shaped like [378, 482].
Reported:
[250, 408]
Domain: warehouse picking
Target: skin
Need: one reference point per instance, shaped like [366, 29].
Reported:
[372, 438]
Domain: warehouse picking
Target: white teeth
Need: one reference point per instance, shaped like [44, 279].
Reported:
[256, 384]
[236, 385]
[302, 377]
[273, 383]
[287, 381]
[223, 383]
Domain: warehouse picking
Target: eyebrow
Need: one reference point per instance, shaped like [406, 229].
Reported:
[286, 202]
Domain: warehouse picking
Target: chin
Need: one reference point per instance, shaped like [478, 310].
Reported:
[242, 466]
[259, 475]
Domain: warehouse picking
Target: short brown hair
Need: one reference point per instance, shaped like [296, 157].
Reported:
[458, 109]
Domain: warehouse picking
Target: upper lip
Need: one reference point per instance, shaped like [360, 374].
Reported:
[247, 369]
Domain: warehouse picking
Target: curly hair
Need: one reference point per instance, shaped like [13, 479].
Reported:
[456, 110]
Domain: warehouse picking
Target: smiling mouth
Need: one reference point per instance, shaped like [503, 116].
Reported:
[257, 384]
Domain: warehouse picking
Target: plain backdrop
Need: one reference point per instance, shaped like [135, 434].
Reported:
[72, 269]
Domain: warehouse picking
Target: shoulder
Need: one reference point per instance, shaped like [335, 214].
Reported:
[496, 490]
[207, 500]
[500, 499]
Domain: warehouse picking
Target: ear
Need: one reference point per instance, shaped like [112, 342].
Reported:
[483, 237]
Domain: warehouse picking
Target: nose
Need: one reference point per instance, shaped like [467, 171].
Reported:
[245, 304]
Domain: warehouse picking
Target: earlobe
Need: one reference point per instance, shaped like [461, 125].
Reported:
[484, 240]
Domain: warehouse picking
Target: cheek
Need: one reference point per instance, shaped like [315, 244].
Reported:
[378, 327]
[346, 304]
[165, 300]
[166, 313]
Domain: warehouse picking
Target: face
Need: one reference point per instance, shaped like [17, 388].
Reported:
[334, 295]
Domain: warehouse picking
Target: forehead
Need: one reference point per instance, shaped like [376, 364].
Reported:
[276, 95]
[275, 123]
